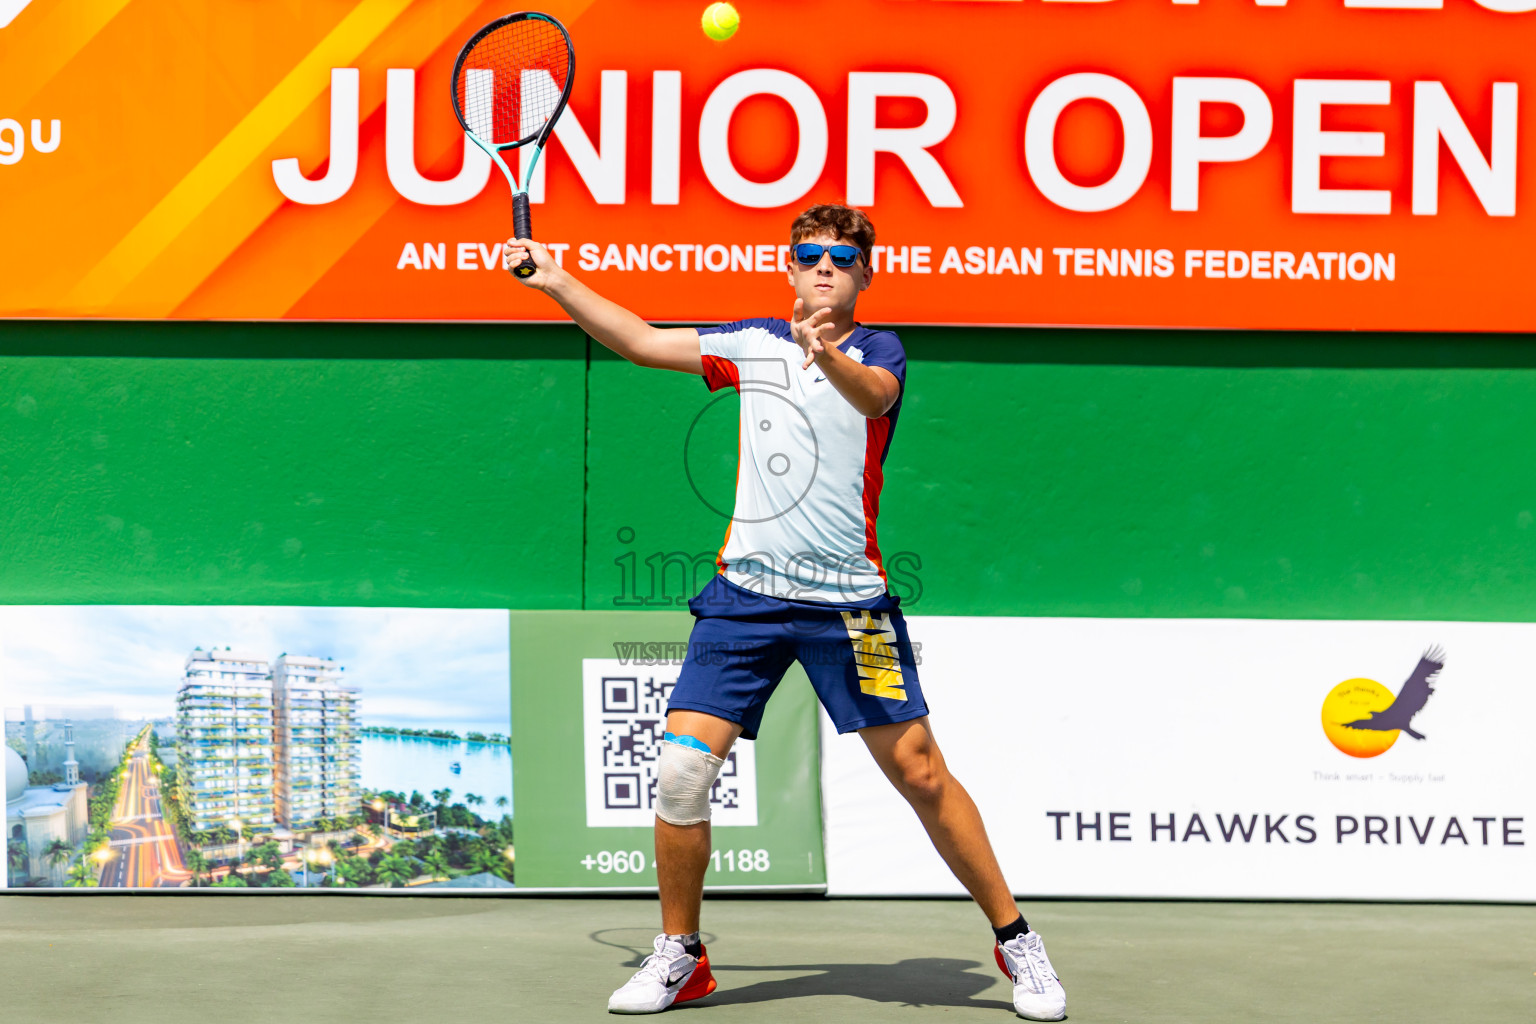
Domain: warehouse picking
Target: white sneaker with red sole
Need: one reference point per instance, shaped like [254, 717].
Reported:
[669, 975]
[1037, 992]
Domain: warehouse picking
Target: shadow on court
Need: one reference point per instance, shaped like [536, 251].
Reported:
[926, 981]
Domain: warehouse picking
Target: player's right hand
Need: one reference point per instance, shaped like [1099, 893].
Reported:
[515, 250]
[808, 331]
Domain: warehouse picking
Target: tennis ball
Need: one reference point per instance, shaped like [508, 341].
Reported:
[720, 21]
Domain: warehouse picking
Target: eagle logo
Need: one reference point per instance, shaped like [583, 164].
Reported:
[1363, 718]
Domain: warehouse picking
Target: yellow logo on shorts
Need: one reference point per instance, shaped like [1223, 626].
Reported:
[874, 651]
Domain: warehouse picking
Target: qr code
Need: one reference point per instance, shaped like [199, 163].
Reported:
[624, 714]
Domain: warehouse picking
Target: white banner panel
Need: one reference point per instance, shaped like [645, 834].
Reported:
[1188, 757]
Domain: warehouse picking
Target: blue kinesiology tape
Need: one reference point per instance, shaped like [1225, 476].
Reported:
[687, 741]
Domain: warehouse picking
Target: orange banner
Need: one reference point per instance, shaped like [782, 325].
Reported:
[1188, 163]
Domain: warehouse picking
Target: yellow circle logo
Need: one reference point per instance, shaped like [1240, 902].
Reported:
[1351, 701]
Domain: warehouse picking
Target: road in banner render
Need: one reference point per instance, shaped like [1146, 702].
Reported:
[210, 958]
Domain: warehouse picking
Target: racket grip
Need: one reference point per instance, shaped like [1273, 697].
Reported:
[522, 227]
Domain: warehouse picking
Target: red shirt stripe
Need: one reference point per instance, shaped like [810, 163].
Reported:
[876, 433]
[720, 372]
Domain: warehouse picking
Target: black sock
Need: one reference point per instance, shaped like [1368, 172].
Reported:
[1011, 931]
[691, 944]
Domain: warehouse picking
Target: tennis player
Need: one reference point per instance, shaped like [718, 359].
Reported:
[800, 578]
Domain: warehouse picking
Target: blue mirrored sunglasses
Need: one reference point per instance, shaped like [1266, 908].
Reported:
[808, 254]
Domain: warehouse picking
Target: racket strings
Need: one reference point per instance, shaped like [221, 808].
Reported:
[512, 80]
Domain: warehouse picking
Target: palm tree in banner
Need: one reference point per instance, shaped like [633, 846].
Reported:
[437, 862]
[269, 855]
[395, 870]
[265, 855]
[351, 870]
[82, 875]
[58, 853]
[473, 800]
[502, 803]
[16, 855]
[245, 867]
[197, 864]
[488, 858]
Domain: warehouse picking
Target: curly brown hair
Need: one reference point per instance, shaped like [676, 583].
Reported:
[835, 219]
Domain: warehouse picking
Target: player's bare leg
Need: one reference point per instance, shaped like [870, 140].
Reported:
[910, 758]
[678, 970]
[682, 851]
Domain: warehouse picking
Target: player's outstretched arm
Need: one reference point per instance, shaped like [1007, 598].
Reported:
[675, 348]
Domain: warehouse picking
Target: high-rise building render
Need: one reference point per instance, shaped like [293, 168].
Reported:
[224, 739]
[316, 742]
[71, 766]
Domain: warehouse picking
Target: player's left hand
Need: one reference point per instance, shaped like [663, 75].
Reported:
[807, 331]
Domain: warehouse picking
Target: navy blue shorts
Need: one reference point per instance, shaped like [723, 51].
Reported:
[858, 658]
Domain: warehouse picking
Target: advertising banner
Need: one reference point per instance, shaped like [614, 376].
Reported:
[172, 747]
[1215, 758]
[589, 695]
[1344, 164]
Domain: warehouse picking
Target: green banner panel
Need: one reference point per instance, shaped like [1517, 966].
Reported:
[1120, 474]
[291, 464]
[587, 713]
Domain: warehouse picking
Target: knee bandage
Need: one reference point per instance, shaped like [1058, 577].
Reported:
[684, 777]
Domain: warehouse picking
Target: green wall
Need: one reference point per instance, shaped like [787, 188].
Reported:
[291, 464]
[1108, 473]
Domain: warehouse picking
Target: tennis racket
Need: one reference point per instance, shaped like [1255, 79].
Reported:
[510, 84]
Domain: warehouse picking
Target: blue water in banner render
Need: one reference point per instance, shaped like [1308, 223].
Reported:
[407, 763]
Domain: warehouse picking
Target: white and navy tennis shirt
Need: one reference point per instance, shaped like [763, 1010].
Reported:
[808, 474]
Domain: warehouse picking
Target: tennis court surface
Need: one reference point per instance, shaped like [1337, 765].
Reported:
[133, 959]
